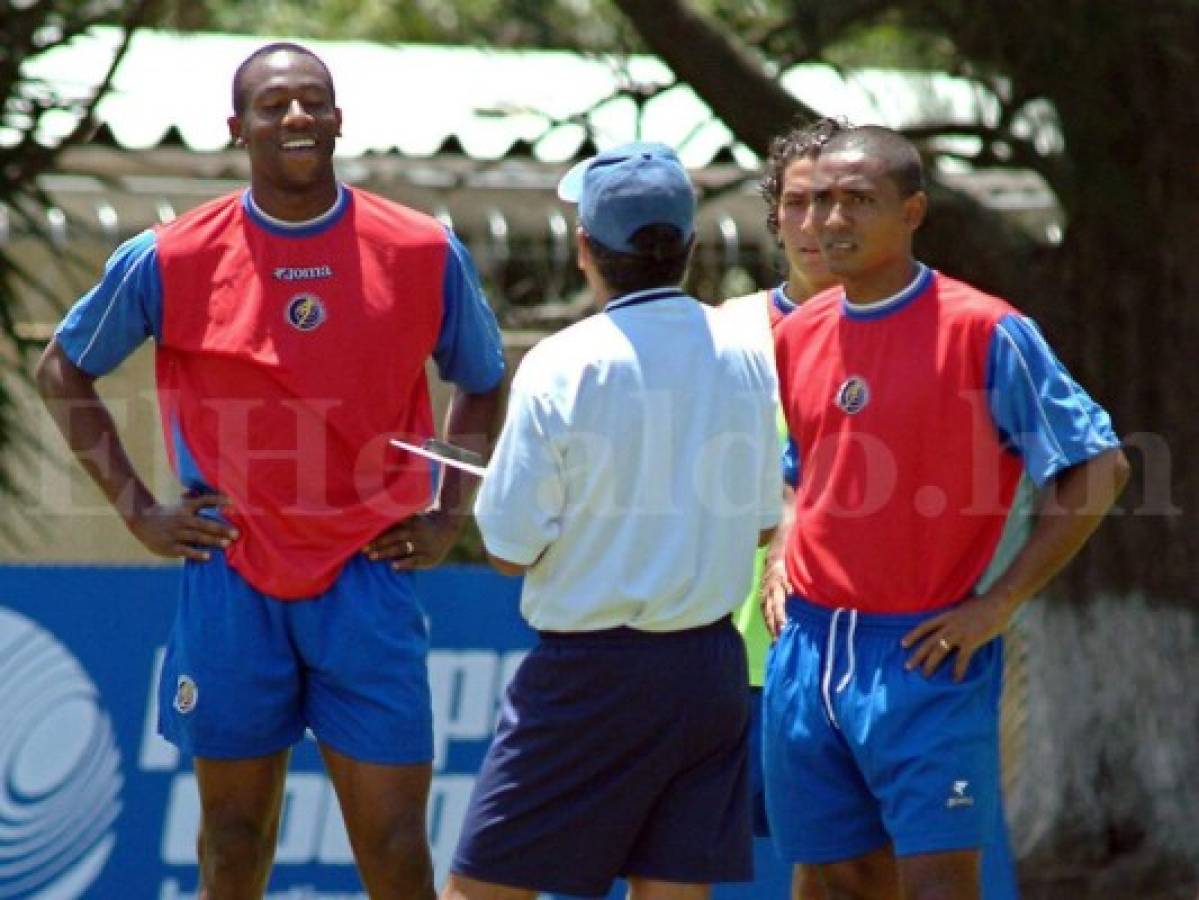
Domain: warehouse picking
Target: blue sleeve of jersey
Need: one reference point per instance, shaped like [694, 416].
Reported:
[468, 352]
[113, 319]
[1040, 411]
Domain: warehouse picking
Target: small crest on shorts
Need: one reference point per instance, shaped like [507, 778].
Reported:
[305, 311]
[853, 395]
[186, 694]
[959, 795]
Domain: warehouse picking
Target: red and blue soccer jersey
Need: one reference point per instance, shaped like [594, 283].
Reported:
[287, 356]
[913, 420]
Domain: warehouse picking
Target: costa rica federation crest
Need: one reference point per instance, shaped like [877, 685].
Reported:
[853, 395]
[305, 311]
[186, 694]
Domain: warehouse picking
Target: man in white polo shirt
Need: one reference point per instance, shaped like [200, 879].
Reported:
[636, 473]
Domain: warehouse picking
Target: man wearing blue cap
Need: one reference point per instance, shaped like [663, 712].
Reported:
[636, 472]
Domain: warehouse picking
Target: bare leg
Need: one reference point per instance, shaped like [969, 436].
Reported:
[941, 876]
[873, 876]
[201, 892]
[462, 888]
[806, 884]
[648, 889]
[384, 811]
[240, 801]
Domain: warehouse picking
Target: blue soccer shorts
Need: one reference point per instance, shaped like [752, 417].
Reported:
[244, 674]
[860, 752]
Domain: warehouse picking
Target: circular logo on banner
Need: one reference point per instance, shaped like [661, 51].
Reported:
[305, 311]
[60, 769]
[853, 395]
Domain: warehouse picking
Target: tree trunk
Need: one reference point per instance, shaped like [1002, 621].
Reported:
[1122, 303]
[726, 75]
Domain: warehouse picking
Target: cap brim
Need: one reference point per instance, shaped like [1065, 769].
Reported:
[570, 188]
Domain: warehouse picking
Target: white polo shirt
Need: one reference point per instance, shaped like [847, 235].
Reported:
[637, 464]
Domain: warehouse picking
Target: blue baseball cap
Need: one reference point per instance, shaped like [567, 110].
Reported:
[622, 190]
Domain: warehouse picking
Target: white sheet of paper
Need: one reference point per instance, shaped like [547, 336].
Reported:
[444, 460]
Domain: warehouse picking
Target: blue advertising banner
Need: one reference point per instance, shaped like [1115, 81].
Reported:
[94, 804]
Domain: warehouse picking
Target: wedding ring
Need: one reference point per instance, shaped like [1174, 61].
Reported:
[945, 645]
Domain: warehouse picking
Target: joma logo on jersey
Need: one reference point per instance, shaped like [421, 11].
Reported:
[305, 312]
[294, 273]
[853, 395]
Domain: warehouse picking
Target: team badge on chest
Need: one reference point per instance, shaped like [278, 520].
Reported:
[853, 395]
[305, 311]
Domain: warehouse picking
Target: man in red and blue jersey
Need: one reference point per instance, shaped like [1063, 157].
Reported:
[292, 324]
[786, 187]
[914, 404]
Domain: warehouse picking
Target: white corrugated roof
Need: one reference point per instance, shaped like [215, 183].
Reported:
[412, 99]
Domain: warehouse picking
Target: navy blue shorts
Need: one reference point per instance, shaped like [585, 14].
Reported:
[860, 752]
[244, 674]
[618, 753]
[757, 784]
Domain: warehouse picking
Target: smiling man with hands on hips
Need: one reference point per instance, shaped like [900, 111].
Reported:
[292, 323]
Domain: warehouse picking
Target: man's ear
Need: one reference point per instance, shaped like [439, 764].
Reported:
[915, 208]
[234, 123]
[582, 249]
[337, 115]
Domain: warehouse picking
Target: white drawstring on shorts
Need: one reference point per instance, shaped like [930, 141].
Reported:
[830, 661]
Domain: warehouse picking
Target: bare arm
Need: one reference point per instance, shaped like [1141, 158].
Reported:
[506, 566]
[470, 423]
[70, 397]
[774, 587]
[421, 542]
[1077, 501]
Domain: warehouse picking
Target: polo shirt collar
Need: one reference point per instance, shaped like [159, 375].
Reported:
[638, 297]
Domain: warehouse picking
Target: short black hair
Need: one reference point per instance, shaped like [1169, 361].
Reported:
[804, 140]
[897, 153]
[660, 259]
[239, 77]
